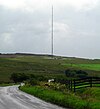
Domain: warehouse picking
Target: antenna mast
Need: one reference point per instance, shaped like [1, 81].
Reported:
[52, 50]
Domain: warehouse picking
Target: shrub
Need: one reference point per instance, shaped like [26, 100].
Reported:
[33, 82]
[81, 73]
[70, 73]
[19, 77]
[75, 73]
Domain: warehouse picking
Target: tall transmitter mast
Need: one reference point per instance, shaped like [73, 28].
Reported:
[52, 43]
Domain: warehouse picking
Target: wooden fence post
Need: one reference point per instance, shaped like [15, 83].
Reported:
[74, 85]
[90, 81]
[71, 85]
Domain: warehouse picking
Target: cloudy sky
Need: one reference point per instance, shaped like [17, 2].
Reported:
[25, 26]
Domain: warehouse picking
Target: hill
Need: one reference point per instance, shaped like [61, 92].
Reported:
[44, 65]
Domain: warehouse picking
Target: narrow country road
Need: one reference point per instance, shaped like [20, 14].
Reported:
[12, 98]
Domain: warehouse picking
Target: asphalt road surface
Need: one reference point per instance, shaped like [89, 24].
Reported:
[12, 98]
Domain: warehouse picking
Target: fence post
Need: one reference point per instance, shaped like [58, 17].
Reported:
[71, 84]
[90, 81]
[74, 85]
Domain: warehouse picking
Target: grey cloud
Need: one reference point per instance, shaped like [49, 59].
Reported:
[76, 33]
[29, 31]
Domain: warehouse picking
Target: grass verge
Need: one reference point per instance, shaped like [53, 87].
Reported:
[92, 95]
[68, 100]
[6, 84]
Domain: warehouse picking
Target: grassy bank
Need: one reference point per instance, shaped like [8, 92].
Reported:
[92, 95]
[68, 100]
[6, 84]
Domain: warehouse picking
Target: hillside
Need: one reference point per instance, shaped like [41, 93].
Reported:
[44, 65]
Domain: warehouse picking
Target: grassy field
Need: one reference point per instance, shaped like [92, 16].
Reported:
[94, 67]
[45, 65]
[29, 64]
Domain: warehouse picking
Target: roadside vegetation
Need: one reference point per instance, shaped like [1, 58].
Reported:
[57, 93]
[67, 99]
[35, 71]
[6, 84]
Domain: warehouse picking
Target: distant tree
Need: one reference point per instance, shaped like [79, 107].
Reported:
[75, 73]
[81, 73]
[33, 81]
[70, 73]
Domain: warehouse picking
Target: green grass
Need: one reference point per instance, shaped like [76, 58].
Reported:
[36, 65]
[95, 67]
[43, 65]
[66, 100]
[6, 84]
[89, 98]
[92, 95]
[52, 68]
